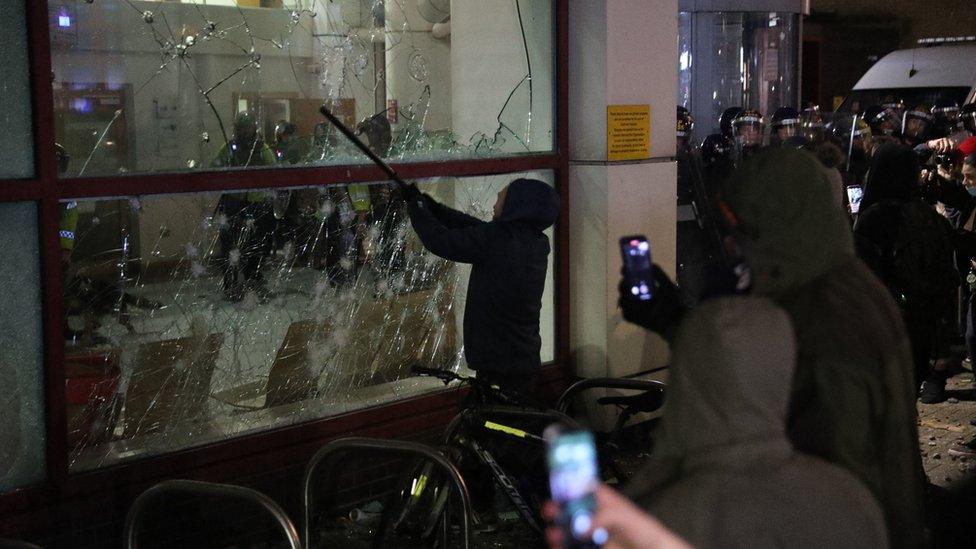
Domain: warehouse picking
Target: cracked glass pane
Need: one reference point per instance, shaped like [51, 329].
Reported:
[150, 86]
[22, 425]
[16, 147]
[192, 318]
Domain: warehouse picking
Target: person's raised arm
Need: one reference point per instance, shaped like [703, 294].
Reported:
[464, 244]
[451, 218]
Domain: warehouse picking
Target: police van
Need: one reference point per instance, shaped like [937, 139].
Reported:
[939, 69]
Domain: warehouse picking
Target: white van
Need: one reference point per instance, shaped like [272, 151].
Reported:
[918, 76]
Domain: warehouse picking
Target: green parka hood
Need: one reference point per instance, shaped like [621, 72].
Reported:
[789, 227]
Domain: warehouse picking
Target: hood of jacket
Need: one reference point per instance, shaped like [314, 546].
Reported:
[893, 176]
[531, 201]
[789, 225]
[730, 380]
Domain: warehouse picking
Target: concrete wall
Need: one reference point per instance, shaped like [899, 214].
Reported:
[621, 52]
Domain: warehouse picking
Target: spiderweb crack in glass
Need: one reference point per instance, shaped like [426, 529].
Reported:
[136, 81]
[195, 318]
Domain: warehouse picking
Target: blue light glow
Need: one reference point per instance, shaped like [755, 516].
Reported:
[64, 19]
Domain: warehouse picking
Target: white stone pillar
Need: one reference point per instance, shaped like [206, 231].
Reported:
[622, 52]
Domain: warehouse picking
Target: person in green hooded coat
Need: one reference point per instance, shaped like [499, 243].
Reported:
[853, 398]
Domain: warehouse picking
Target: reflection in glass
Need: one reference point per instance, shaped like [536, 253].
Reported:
[145, 86]
[22, 425]
[193, 318]
[16, 147]
[737, 59]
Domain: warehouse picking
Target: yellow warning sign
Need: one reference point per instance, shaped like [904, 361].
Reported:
[628, 132]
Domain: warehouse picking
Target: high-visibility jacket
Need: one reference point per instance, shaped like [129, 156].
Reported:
[69, 225]
[359, 195]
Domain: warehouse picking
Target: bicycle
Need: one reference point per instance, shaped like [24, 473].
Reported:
[611, 445]
[417, 510]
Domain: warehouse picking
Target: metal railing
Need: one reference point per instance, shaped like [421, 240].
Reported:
[208, 489]
[388, 446]
[605, 383]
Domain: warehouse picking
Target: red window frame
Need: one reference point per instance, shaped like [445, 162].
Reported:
[239, 455]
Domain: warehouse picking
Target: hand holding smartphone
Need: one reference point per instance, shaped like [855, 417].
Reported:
[854, 195]
[573, 478]
[639, 274]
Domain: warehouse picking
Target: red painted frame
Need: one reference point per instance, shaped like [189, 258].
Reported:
[242, 454]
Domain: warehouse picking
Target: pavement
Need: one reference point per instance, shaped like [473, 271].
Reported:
[947, 423]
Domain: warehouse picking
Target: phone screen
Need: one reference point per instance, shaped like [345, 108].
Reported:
[636, 251]
[854, 196]
[573, 477]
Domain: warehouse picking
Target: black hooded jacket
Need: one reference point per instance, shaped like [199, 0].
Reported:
[509, 258]
[902, 239]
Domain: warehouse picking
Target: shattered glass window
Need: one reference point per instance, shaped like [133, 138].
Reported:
[193, 318]
[22, 425]
[16, 147]
[150, 86]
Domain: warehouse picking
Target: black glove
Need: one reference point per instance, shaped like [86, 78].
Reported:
[660, 314]
[410, 192]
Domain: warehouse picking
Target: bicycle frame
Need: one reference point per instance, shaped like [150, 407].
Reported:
[475, 417]
[506, 483]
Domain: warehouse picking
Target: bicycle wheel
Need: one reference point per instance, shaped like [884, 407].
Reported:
[415, 508]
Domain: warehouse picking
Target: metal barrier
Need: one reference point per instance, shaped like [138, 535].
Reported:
[605, 383]
[209, 489]
[388, 446]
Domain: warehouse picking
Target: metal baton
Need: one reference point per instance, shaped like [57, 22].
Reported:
[362, 146]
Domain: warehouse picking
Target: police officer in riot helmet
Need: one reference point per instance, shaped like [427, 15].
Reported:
[946, 114]
[854, 137]
[684, 128]
[718, 149]
[784, 124]
[725, 121]
[287, 147]
[749, 126]
[917, 125]
[245, 147]
[895, 105]
[879, 119]
[812, 125]
[967, 117]
[717, 158]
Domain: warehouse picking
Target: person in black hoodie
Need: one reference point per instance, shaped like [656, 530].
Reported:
[910, 248]
[509, 257]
